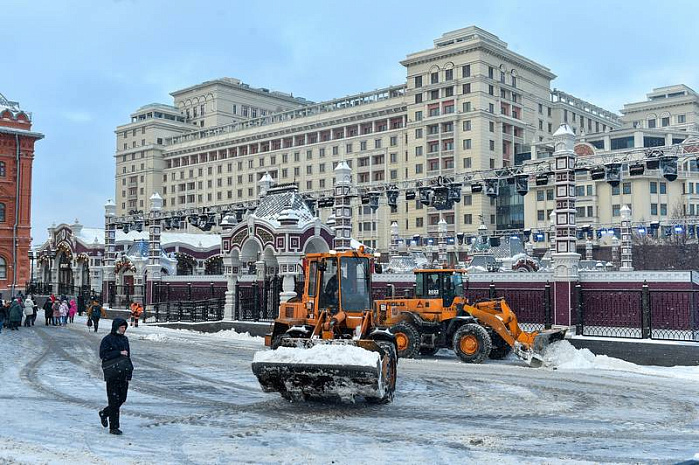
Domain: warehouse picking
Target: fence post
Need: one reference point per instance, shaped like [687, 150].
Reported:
[645, 308]
[167, 311]
[157, 312]
[236, 302]
[212, 290]
[189, 291]
[179, 310]
[580, 324]
[547, 306]
[491, 290]
[256, 300]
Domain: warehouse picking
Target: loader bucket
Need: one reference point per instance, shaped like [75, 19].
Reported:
[335, 369]
[541, 342]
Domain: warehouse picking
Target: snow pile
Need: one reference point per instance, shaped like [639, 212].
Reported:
[562, 354]
[152, 337]
[320, 354]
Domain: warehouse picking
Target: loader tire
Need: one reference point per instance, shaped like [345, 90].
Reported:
[390, 375]
[407, 339]
[472, 343]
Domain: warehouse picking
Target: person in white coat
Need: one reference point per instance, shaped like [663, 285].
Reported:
[28, 311]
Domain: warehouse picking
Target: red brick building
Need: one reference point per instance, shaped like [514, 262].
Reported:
[16, 157]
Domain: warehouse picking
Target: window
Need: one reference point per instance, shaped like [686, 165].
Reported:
[377, 143]
[418, 151]
[468, 218]
[491, 126]
[467, 162]
[466, 71]
[540, 215]
[418, 168]
[491, 90]
[2, 212]
[448, 91]
[448, 74]
[663, 188]
[418, 98]
[627, 188]
[491, 72]
[615, 190]
[418, 116]
[665, 121]
[549, 194]
[434, 95]
[3, 169]
[492, 145]
[418, 133]
[681, 119]
[348, 148]
[651, 123]
[418, 81]
[579, 191]
[362, 145]
[466, 88]
[653, 208]
[663, 209]
[491, 108]
[467, 107]
[434, 78]
[419, 222]
[616, 210]
[393, 141]
[540, 195]
[467, 144]
[3, 268]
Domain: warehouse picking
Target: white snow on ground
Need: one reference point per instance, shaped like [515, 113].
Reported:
[195, 400]
[320, 354]
[563, 355]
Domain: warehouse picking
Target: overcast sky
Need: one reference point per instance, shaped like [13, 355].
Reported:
[82, 67]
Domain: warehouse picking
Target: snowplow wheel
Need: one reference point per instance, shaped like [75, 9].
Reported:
[428, 351]
[472, 343]
[407, 339]
[388, 374]
[501, 349]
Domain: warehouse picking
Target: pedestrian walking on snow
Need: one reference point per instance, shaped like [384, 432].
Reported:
[63, 310]
[48, 311]
[3, 315]
[56, 306]
[28, 312]
[136, 312]
[72, 310]
[94, 313]
[115, 355]
[16, 312]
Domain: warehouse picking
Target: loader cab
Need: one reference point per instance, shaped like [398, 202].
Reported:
[344, 283]
[435, 284]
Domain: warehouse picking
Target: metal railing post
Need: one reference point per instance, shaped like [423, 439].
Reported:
[236, 302]
[547, 306]
[645, 309]
[256, 300]
[491, 290]
[580, 324]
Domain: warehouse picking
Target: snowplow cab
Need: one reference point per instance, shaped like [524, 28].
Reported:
[335, 309]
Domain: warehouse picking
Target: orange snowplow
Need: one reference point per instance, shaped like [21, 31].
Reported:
[439, 316]
[335, 311]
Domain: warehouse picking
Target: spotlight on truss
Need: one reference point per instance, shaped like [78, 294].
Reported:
[613, 173]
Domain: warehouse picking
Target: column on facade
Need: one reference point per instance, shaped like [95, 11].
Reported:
[588, 249]
[109, 278]
[343, 209]
[626, 257]
[231, 270]
[154, 267]
[552, 233]
[615, 251]
[393, 250]
[442, 241]
[565, 259]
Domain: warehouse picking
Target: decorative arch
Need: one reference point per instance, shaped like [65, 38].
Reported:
[213, 265]
[185, 264]
[6, 114]
[316, 245]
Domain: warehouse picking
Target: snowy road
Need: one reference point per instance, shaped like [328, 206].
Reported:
[194, 400]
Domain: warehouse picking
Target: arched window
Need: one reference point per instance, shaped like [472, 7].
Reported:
[2, 212]
[3, 169]
[3, 268]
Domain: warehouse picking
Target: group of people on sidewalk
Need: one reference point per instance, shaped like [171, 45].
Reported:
[14, 310]
[59, 311]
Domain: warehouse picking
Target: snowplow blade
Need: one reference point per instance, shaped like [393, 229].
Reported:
[541, 342]
[297, 376]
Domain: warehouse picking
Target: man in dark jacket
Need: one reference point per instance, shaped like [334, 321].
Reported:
[113, 346]
[16, 313]
[3, 315]
[48, 311]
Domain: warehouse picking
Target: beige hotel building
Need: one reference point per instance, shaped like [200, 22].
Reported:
[468, 104]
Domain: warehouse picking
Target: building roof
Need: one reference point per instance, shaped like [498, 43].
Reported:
[280, 199]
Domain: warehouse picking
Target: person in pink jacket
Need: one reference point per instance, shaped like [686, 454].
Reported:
[72, 310]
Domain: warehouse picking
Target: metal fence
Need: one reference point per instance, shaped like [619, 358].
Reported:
[664, 314]
[258, 302]
[197, 310]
